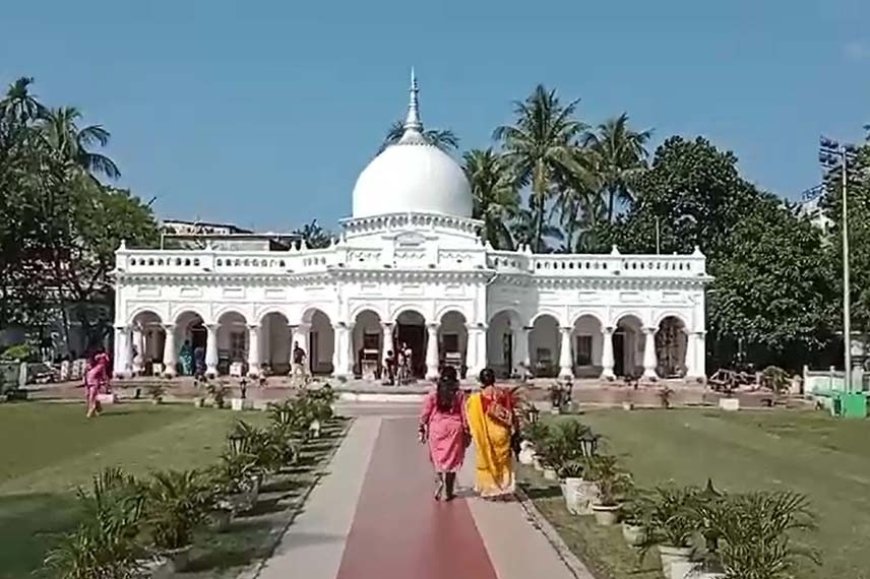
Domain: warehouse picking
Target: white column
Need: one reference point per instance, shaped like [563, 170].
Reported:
[522, 362]
[649, 354]
[432, 352]
[607, 354]
[170, 361]
[211, 350]
[695, 355]
[387, 339]
[122, 347]
[137, 350]
[253, 350]
[476, 352]
[566, 362]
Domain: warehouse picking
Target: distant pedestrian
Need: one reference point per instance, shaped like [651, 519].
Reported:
[96, 381]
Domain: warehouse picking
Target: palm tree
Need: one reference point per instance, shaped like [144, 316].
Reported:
[20, 104]
[444, 139]
[542, 147]
[620, 156]
[72, 144]
[496, 199]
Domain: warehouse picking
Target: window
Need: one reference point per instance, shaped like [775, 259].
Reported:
[584, 350]
[237, 346]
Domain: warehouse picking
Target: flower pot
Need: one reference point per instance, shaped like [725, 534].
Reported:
[571, 492]
[550, 474]
[670, 555]
[536, 464]
[586, 494]
[606, 515]
[633, 534]
[314, 429]
[178, 559]
[239, 404]
[199, 402]
[628, 405]
[527, 453]
[219, 520]
[689, 570]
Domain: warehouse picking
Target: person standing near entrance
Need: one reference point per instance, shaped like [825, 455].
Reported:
[492, 420]
[443, 426]
[298, 360]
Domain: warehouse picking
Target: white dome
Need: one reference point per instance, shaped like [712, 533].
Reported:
[412, 176]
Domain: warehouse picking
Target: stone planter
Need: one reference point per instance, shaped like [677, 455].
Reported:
[199, 402]
[729, 404]
[219, 520]
[634, 535]
[587, 494]
[606, 515]
[628, 405]
[239, 404]
[314, 429]
[571, 492]
[527, 453]
[671, 555]
[550, 474]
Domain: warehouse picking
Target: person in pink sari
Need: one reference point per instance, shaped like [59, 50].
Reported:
[96, 379]
[444, 428]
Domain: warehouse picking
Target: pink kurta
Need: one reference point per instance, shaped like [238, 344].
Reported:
[446, 432]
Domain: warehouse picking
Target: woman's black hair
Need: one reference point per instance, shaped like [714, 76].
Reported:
[448, 384]
[487, 377]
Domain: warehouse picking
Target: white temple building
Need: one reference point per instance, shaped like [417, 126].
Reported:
[410, 267]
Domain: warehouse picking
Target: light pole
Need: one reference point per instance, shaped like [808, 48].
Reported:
[833, 155]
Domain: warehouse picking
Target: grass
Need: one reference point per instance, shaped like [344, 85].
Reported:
[803, 451]
[50, 449]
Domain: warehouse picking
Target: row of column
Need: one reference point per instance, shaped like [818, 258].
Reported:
[695, 363]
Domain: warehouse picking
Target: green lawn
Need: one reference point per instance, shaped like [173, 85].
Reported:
[49, 449]
[807, 452]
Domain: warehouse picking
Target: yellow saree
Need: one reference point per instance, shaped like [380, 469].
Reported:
[494, 457]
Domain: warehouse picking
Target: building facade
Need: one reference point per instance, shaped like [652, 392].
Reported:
[409, 267]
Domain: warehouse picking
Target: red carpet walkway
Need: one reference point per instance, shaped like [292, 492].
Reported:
[373, 517]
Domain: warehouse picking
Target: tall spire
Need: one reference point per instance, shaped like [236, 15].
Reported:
[412, 121]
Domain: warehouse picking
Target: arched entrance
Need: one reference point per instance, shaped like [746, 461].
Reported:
[587, 345]
[320, 340]
[411, 332]
[671, 341]
[275, 346]
[507, 344]
[191, 340]
[369, 345]
[628, 342]
[545, 341]
[453, 342]
[232, 343]
[149, 339]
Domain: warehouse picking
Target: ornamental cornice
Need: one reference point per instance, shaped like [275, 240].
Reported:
[601, 283]
[218, 279]
[422, 275]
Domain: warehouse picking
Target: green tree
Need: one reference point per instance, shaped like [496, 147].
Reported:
[444, 139]
[72, 144]
[619, 158]
[496, 199]
[543, 150]
[314, 236]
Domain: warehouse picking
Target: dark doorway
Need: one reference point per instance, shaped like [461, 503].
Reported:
[619, 353]
[508, 353]
[198, 335]
[415, 336]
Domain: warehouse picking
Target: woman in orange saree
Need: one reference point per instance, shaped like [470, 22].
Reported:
[491, 415]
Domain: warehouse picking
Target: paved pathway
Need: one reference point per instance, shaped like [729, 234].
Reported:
[373, 517]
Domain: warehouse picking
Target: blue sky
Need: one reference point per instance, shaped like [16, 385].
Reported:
[263, 112]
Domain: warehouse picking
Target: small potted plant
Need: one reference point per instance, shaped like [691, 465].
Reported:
[634, 515]
[613, 485]
[672, 524]
[156, 391]
[176, 503]
[218, 392]
[571, 474]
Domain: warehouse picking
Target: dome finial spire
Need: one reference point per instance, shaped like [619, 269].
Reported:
[412, 121]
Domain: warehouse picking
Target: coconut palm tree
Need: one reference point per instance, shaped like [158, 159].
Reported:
[542, 146]
[20, 104]
[72, 144]
[496, 199]
[444, 139]
[314, 235]
[620, 157]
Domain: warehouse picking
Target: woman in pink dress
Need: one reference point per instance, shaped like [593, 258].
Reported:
[96, 378]
[444, 427]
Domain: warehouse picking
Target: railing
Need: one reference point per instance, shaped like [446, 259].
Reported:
[201, 261]
[599, 265]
